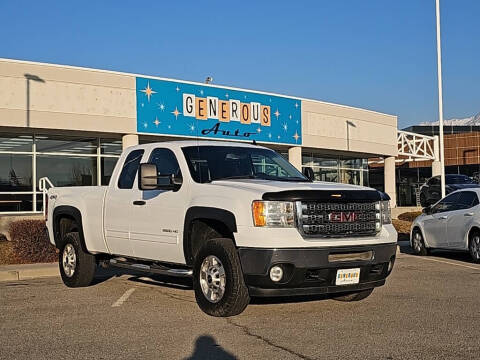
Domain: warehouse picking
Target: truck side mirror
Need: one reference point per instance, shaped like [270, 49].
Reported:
[148, 179]
[427, 210]
[308, 172]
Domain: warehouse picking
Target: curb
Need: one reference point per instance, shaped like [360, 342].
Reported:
[28, 271]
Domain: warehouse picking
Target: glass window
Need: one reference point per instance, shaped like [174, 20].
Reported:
[448, 203]
[16, 143]
[165, 161]
[330, 175]
[129, 169]
[350, 176]
[67, 170]
[107, 165]
[16, 202]
[76, 145]
[208, 163]
[15, 172]
[110, 147]
[467, 200]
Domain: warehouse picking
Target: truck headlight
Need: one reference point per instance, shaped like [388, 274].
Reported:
[386, 212]
[273, 213]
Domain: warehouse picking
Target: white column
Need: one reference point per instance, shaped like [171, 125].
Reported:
[390, 181]
[295, 157]
[436, 164]
[129, 140]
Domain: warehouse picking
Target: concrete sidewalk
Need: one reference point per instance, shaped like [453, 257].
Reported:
[28, 271]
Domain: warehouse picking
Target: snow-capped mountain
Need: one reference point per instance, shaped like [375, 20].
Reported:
[469, 121]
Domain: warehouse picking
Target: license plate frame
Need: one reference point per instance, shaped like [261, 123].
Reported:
[347, 276]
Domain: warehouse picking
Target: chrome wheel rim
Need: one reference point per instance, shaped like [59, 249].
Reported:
[69, 260]
[212, 279]
[417, 242]
[475, 247]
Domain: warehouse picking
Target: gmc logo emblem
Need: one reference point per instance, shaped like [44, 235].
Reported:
[342, 216]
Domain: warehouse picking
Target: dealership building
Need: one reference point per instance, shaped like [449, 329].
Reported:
[70, 124]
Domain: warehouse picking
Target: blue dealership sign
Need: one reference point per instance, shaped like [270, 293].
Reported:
[184, 109]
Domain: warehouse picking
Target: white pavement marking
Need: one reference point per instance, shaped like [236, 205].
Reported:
[444, 262]
[123, 298]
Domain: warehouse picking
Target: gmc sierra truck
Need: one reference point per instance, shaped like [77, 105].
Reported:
[238, 219]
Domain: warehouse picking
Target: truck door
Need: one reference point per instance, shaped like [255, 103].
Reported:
[118, 209]
[157, 221]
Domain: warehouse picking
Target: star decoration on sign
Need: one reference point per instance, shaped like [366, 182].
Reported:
[148, 91]
[285, 126]
[269, 135]
[145, 125]
[169, 126]
[177, 88]
[176, 113]
[259, 130]
[143, 104]
[226, 95]
[191, 127]
[278, 137]
[296, 136]
[161, 107]
[290, 116]
[296, 105]
[277, 114]
[157, 122]
[201, 92]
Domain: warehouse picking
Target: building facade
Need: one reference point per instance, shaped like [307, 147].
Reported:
[70, 124]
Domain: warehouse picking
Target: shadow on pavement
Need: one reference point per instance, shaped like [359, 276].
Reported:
[207, 348]
[163, 281]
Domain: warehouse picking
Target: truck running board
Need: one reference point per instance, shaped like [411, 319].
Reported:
[153, 268]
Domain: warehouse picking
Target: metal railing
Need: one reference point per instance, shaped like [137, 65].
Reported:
[417, 146]
[44, 184]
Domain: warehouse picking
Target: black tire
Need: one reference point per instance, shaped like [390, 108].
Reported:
[353, 296]
[474, 246]
[418, 243]
[84, 264]
[235, 297]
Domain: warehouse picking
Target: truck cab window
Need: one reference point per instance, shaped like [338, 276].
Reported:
[166, 162]
[129, 169]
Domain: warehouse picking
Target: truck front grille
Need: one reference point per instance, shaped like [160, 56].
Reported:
[338, 219]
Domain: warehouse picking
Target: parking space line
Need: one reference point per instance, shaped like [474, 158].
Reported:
[123, 298]
[444, 262]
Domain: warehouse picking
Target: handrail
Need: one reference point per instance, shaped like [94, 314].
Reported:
[44, 184]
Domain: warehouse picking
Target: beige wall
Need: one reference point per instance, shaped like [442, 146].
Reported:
[91, 100]
[344, 128]
[66, 98]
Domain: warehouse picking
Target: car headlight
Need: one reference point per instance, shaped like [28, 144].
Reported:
[273, 213]
[386, 212]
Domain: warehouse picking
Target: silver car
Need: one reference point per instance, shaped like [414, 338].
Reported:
[452, 223]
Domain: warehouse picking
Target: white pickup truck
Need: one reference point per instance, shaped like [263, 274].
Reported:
[237, 218]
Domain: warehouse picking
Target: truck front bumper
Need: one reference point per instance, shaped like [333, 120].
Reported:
[311, 271]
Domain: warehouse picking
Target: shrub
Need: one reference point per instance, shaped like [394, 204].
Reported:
[30, 241]
[409, 216]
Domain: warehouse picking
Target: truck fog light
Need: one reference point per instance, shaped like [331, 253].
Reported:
[276, 273]
[390, 265]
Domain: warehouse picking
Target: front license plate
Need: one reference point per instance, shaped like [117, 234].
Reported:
[348, 276]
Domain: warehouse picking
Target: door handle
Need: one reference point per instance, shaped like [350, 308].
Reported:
[444, 217]
[468, 214]
[139, 202]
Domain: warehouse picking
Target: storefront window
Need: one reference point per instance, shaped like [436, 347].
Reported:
[75, 145]
[110, 147]
[16, 143]
[15, 172]
[107, 166]
[68, 170]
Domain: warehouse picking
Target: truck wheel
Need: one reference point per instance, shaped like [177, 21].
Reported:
[354, 296]
[218, 279]
[474, 246]
[418, 243]
[77, 267]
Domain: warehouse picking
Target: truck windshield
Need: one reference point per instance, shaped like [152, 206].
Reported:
[210, 163]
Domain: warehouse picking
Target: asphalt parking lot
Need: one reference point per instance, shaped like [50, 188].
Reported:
[429, 309]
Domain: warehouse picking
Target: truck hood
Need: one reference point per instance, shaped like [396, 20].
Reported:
[262, 186]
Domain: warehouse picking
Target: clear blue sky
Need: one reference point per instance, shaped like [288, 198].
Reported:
[375, 54]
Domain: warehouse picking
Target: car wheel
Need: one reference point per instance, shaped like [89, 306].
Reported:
[418, 243]
[474, 247]
[77, 267]
[354, 296]
[218, 281]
